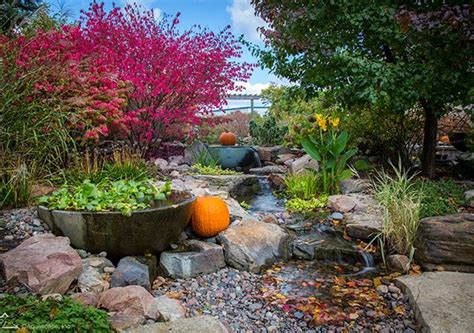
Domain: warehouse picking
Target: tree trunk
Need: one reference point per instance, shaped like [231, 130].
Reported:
[429, 140]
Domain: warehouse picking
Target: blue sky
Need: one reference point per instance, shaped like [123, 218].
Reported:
[214, 14]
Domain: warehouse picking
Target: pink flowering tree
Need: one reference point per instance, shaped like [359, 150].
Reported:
[176, 77]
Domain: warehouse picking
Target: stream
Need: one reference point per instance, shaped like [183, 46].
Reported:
[316, 238]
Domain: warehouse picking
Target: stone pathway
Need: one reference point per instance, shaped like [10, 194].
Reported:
[443, 301]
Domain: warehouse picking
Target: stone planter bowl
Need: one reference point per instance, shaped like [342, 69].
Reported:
[145, 231]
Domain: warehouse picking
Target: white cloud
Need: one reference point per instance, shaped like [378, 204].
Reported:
[244, 20]
[157, 13]
[252, 88]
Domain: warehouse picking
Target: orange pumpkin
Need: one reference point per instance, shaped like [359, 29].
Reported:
[444, 139]
[228, 139]
[210, 216]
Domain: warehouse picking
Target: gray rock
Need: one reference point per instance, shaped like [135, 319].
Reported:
[336, 216]
[398, 262]
[91, 280]
[131, 271]
[237, 186]
[443, 301]
[252, 245]
[447, 242]
[366, 220]
[301, 164]
[282, 158]
[341, 203]
[268, 169]
[269, 154]
[161, 163]
[178, 159]
[469, 197]
[322, 246]
[201, 324]
[170, 309]
[348, 186]
[196, 258]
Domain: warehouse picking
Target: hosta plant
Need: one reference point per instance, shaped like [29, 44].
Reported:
[122, 195]
[325, 143]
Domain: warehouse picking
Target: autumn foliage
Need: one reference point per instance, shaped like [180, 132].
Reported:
[119, 74]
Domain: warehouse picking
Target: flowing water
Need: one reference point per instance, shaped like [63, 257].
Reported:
[316, 239]
[265, 201]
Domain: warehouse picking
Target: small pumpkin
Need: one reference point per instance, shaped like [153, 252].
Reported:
[210, 216]
[444, 139]
[227, 139]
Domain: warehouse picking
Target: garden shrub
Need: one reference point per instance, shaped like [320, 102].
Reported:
[168, 69]
[385, 134]
[266, 131]
[31, 314]
[440, 197]
[118, 74]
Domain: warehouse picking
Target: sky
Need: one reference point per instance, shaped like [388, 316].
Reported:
[213, 14]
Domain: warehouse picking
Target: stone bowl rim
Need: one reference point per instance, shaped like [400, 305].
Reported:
[187, 201]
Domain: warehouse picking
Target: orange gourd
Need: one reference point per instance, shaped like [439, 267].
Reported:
[444, 139]
[210, 216]
[228, 139]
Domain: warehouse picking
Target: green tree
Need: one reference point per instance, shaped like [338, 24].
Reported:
[394, 54]
[14, 12]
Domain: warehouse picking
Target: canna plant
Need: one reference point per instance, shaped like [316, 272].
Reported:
[326, 144]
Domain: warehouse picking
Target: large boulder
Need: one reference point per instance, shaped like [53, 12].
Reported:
[366, 219]
[47, 264]
[200, 324]
[130, 300]
[447, 242]
[443, 301]
[252, 245]
[194, 258]
[301, 164]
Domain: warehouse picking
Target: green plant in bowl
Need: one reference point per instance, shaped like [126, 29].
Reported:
[121, 195]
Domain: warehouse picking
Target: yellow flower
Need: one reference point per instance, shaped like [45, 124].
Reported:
[334, 122]
[321, 121]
